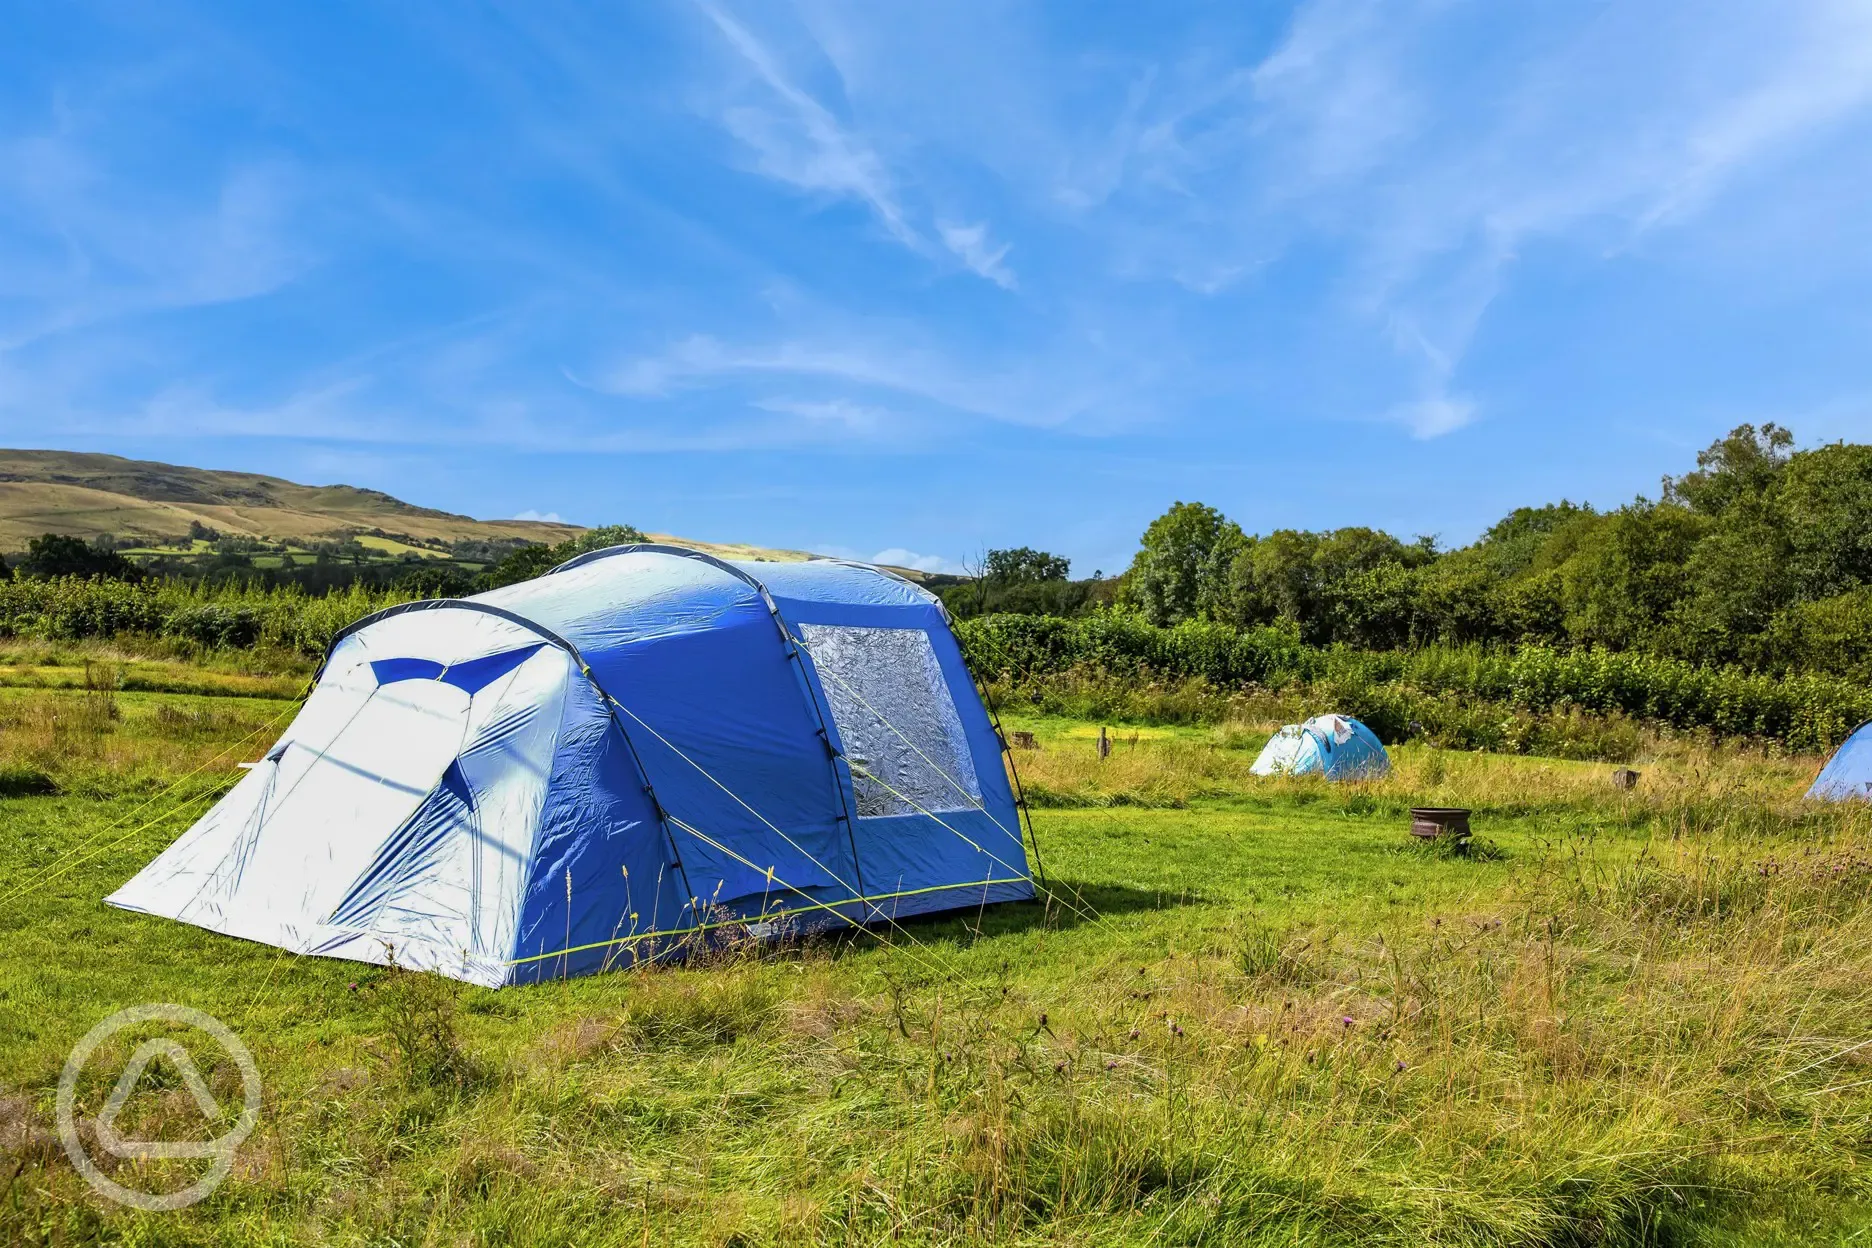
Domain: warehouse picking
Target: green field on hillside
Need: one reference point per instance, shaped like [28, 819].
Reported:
[1251, 1012]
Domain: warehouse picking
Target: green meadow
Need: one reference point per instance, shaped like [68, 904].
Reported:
[1247, 1012]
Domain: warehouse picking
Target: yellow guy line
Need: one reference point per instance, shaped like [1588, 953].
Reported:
[709, 927]
[941, 967]
[64, 861]
[1084, 909]
[778, 831]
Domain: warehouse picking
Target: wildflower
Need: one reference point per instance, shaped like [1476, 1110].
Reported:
[1059, 1068]
[1134, 1033]
[1111, 1065]
[1400, 1065]
[1347, 1020]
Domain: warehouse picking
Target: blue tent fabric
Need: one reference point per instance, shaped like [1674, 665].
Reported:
[1848, 774]
[1337, 747]
[577, 771]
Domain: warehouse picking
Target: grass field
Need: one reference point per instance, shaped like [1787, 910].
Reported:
[1252, 1013]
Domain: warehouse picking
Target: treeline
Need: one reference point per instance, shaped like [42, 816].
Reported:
[1760, 557]
[470, 565]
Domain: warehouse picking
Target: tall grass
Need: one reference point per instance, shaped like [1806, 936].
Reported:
[1644, 1023]
[1174, 769]
[101, 741]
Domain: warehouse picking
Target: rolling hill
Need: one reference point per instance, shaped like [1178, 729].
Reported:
[89, 495]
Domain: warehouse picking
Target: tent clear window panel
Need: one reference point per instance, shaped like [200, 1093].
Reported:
[902, 736]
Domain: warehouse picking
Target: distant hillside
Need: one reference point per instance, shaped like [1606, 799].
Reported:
[89, 496]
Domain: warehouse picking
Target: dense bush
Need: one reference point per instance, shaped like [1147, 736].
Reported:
[69, 608]
[1391, 689]
[1436, 685]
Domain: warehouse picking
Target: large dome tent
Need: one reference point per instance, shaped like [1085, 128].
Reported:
[580, 770]
[1335, 746]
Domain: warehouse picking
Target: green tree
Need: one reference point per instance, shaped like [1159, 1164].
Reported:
[538, 559]
[1739, 576]
[1274, 578]
[1824, 504]
[1023, 565]
[1741, 466]
[1320, 581]
[1628, 572]
[1375, 607]
[1181, 571]
[1020, 581]
[1457, 599]
[1517, 541]
[56, 554]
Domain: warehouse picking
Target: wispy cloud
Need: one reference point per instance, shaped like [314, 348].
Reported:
[970, 242]
[737, 228]
[550, 517]
[1433, 417]
[87, 247]
[798, 140]
[840, 415]
[873, 382]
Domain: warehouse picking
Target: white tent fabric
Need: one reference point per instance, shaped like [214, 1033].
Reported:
[1335, 746]
[352, 770]
[1282, 751]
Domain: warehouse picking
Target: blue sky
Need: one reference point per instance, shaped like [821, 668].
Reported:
[914, 280]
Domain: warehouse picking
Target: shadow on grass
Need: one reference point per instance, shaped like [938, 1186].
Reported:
[1071, 904]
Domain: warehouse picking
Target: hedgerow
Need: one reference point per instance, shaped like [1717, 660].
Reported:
[69, 609]
[1805, 712]
[1394, 688]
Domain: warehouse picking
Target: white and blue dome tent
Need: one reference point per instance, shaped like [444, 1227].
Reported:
[1848, 774]
[579, 771]
[1335, 746]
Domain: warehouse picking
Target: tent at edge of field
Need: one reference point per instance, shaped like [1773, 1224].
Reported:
[796, 746]
[1335, 746]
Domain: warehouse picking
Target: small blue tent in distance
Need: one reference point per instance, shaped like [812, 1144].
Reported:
[1848, 773]
[583, 770]
[1335, 746]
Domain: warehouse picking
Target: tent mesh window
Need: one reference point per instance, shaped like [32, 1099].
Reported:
[902, 736]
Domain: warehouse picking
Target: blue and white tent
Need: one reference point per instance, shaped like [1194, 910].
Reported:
[1848, 774]
[571, 773]
[1335, 746]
